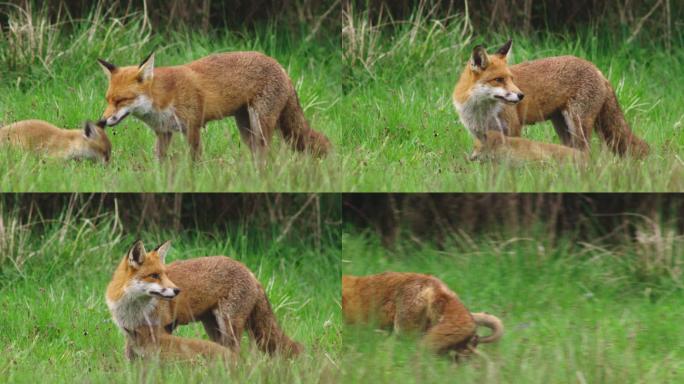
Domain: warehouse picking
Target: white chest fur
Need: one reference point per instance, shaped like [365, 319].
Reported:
[160, 120]
[133, 311]
[480, 113]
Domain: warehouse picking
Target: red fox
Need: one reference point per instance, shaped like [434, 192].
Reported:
[221, 293]
[89, 143]
[248, 85]
[136, 295]
[571, 92]
[517, 149]
[413, 302]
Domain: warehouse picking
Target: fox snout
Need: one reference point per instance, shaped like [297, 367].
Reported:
[511, 97]
[166, 293]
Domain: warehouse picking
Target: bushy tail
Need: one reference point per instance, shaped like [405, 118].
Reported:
[614, 129]
[297, 132]
[492, 322]
[264, 329]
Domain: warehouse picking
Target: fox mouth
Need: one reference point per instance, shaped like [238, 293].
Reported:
[119, 120]
[505, 100]
[153, 293]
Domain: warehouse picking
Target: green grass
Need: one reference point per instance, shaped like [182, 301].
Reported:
[56, 325]
[571, 313]
[407, 135]
[64, 85]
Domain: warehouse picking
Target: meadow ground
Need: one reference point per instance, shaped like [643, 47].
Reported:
[56, 325]
[572, 313]
[403, 133]
[50, 73]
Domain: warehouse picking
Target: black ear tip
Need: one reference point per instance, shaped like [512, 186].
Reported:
[101, 123]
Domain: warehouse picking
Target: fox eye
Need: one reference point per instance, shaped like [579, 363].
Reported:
[154, 276]
[499, 80]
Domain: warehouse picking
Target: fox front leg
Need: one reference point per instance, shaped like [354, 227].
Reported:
[162, 145]
[193, 137]
[128, 351]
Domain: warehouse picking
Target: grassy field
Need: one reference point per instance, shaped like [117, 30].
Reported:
[406, 134]
[56, 325]
[573, 314]
[49, 72]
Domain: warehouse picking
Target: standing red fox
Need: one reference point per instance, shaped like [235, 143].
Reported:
[218, 291]
[571, 92]
[248, 85]
[139, 292]
[413, 302]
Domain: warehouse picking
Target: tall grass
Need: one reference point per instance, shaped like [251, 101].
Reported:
[572, 312]
[56, 325]
[408, 137]
[49, 72]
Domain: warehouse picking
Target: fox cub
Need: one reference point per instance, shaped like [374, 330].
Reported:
[416, 303]
[497, 146]
[89, 143]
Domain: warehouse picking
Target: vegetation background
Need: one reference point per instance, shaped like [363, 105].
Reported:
[403, 58]
[48, 71]
[58, 252]
[592, 295]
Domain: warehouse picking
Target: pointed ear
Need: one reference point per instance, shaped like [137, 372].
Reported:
[90, 131]
[146, 68]
[136, 256]
[479, 61]
[108, 68]
[505, 49]
[163, 249]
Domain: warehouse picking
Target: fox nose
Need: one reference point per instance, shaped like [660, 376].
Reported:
[176, 291]
[521, 96]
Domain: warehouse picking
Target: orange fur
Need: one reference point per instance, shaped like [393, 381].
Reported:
[134, 296]
[250, 86]
[497, 146]
[569, 91]
[414, 303]
[91, 142]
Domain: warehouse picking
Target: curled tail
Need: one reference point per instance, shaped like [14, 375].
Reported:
[297, 132]
[264, 329]
[614, 129]
[492, 322]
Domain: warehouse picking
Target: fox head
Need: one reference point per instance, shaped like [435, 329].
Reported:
[143, 273]
[490, 78]
[129, 90]
[94, 144]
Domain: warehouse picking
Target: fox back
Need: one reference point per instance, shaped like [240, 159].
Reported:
[90, 143]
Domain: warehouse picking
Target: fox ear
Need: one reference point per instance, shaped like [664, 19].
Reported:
[479, 60]
[108, 68]
[163, 249]
[136, 256]
[90, 131]
[505, 49]
[146, 68]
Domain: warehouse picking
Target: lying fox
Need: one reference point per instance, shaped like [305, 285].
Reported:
[39, 136]
[248, 85]
[497, 146]
[138, 292]
[412, 302]
[571, 92]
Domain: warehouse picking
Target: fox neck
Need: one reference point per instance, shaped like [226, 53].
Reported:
[480, 113]
[133, 311]
[163, 120]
